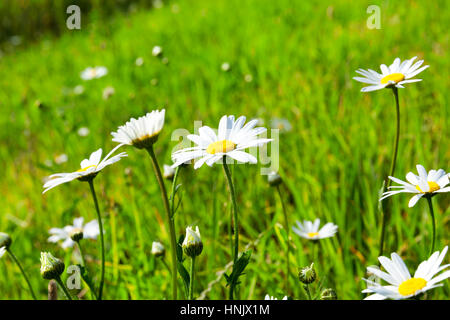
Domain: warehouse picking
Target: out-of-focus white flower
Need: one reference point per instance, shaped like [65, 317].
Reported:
[90, 230]
[83, 131]
[169, 172]
[108, 92]
[93, 73]
[79, 89]
[62, 158]
[248, 78]
[310, 230]
[139, 61]
[225, 66]
[157, 51]
[281, 124]
[158, 249]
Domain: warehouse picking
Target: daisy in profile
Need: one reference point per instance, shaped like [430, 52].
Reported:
[232, 139]
[2, 251]
[401, 284]
[422, 185]
[396, 75]
[141, 132]
[310, 230]
[89, 169]
[93, 73]
[267, 297]
[76, 231]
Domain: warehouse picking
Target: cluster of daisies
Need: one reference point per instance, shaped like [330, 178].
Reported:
[424, 185]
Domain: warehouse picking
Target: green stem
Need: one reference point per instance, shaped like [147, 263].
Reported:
[172, 197]
[235, 209]
[173, 240]
[191, 282]
[100, 223]
[286, 222]
[387, 181]
[308, 292]
[83, 264]
[23, 272]
[63, 287]
[430, 204]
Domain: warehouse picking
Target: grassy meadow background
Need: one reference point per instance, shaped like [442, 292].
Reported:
[301, 56]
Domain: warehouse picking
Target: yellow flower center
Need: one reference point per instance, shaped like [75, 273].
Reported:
[93, 72]
[412, 285]
[396, 77]
[221, 147]
[85, 169]
[433, 187]
[312, 234]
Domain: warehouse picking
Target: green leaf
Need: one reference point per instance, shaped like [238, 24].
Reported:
[185, 275]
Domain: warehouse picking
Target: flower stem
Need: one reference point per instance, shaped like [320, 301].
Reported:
[83, 264]
[235, 209]
[286, 222]
[387, 181]
[430, 204]
[102, 278]
[173, 240]
[63, 287]
[23, 272]
[191, 282]
[307, 291]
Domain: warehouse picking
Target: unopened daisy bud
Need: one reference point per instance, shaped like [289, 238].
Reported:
[51, 267]
[169, 172]
[307, 275]
[5, 240]
[274, 179]
[158, 249]
[192, 244]
[328, 294]
[76, 234]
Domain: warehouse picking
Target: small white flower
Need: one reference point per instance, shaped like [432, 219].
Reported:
[89, 168]
[142, 132]
[248, 78]
[310, 230]
[225, 66]
[397, 74]
[93, 73]
[139, 61]
[108, 92]
[267, 297]
[157, 51]
[425, 184]
[232, 139]
[79, 89]
[157, 248]
[401, 285]
[62, 158]
[83, 131]
[192, 237]
[2, 251]
[281, 124]
[90, 230]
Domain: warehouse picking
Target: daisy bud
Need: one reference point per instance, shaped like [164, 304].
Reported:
[158, 249]
[307, 275]
[51, 267]
[192, 244]
[169, 172]
[5, 240]
[274, 179]
[76, 234]
[328, 294]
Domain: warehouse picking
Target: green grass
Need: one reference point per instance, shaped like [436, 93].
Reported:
[302, 57]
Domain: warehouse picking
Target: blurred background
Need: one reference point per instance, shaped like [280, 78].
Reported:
[289, 64]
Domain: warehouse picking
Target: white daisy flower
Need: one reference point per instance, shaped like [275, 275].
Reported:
[310, 230]
[267, 297]
[2, 251]
[401, 285]
[232, 139]
[169, 172]
[89, 169]
[143, 132]
[158, 249]
[425, 184]
[93, 73]
[90, 230]
[397, 74]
